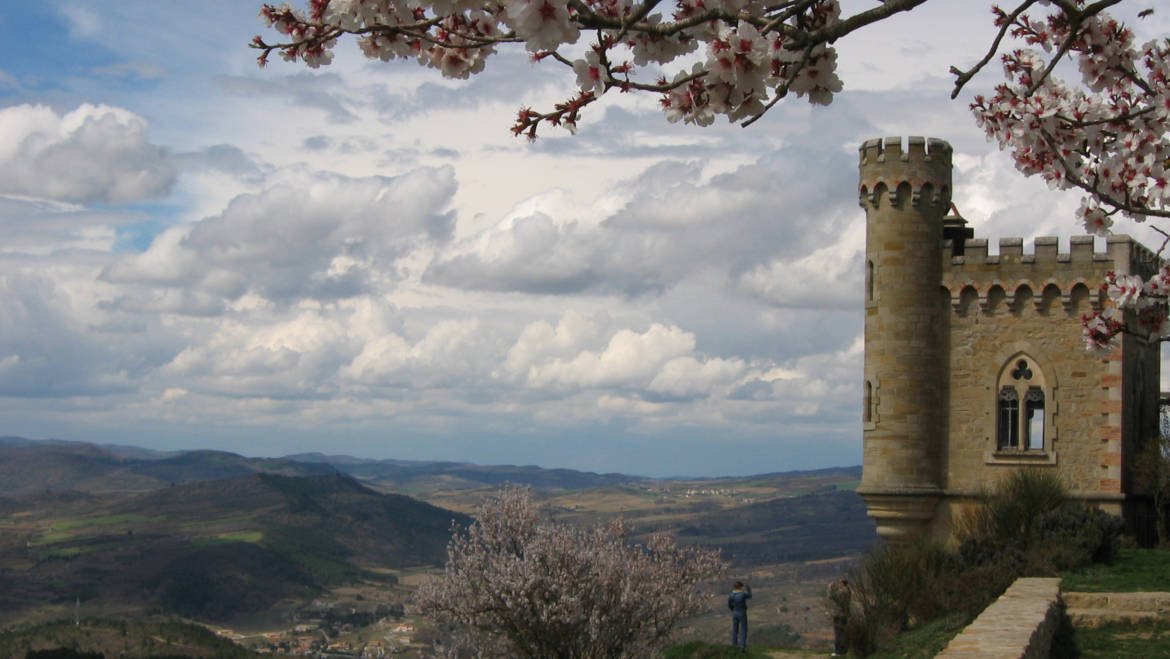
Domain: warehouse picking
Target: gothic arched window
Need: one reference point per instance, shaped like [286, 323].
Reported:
[1021, 428]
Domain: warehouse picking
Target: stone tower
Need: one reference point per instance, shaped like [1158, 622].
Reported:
[905, 195]
[974, 362]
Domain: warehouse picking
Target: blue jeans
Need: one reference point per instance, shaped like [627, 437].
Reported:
[738, 623]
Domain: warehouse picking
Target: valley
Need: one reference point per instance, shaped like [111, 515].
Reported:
[319, 554]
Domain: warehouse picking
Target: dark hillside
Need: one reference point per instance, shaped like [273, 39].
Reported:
[809, 527]
[118, 638]
[39, 468]
[214, 549]
[192, 466]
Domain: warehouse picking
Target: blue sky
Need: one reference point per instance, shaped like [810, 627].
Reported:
[196, 253]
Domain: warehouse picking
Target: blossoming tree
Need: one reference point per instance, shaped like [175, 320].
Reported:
[523, 586]
[754, 53]
[1105, 135]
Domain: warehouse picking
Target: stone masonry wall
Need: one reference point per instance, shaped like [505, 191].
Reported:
[1014, 304]
[1021, 623]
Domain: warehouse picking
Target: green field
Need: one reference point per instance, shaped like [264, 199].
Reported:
[108, 520]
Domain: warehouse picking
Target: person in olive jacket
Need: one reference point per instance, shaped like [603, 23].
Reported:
[737, 602]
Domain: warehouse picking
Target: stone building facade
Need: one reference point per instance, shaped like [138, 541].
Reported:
[975, 363]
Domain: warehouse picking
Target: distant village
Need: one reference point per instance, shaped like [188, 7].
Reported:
[354, 635]
[666, 494]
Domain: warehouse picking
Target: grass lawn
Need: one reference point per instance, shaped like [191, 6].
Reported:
[925, 641]
[1123, 640]
[704, 650]
[1136, 570]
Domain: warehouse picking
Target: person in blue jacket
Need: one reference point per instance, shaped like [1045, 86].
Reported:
[737, 602]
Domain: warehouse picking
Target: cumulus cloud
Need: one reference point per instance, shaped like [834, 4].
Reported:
[448, 354]
[580, 353]
[313, 235]
[629, 359]
[544, 255]
[667, 225]
[48, 348]
[272, 356]
[824, 278]
[91, 154]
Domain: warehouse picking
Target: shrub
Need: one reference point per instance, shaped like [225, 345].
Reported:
[1087, 534]
[894, 584]
[1009, 512]
[1025, 527]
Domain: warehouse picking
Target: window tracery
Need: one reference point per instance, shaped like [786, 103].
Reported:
[1022, 428]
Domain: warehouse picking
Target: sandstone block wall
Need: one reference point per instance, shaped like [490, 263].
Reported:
[1015, 304]
[1020, 624]
[945, 320]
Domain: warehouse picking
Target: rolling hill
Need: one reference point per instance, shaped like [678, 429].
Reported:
[214, 549]
[259, 542]
[38, 467]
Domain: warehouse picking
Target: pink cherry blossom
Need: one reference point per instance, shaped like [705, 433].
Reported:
[519, 585]
[756, 52]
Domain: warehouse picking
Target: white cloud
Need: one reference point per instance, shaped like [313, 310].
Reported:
[541, 342]
[308, 270]
[660, 360]
[824, 278]
[91, 154]
[444, 355]
[49, 347]
[688, 376]
[630, 359]
[310, 235]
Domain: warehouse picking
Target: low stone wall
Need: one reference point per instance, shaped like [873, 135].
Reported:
[1020, 624]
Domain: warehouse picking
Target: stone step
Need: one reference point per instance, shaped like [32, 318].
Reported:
[1156, 602]
[1088, 618]
[1094, 609]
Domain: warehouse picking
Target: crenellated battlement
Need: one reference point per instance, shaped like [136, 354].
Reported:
[889, 150]
[919, 171]
[1044, 276]
[1124, 253]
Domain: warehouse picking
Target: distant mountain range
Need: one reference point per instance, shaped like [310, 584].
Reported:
[212, 535]
[40, 466]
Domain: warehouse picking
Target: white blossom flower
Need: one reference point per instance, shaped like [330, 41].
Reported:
[543, 24]
[590, 73]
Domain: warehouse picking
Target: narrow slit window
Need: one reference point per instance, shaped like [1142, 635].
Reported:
[867, 403]
[1009, 418]
[1034, 415]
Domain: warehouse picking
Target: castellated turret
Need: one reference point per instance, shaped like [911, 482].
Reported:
[905, 193]
[974, 361]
